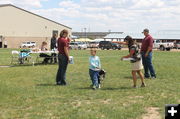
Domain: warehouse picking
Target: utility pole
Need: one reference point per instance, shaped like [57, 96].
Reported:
[85, 33]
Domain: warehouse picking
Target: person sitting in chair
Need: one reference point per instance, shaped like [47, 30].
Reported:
[46, 57]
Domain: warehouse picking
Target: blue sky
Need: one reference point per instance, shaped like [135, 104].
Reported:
[104, 15]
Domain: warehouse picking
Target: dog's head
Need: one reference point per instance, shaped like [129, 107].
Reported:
[102, 73]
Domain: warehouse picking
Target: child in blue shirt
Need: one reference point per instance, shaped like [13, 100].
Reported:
[94, 68]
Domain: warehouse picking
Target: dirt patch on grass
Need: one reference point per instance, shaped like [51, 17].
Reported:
[129, 103]
[106, 101]
[136, 97]
[76, 104]
[132, 100]
[152, 113]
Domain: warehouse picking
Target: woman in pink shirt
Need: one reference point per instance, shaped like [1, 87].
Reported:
[63, 57]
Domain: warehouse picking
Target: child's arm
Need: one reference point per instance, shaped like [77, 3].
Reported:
[91, 62]
[99, 63]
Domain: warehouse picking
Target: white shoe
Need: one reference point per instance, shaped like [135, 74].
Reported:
[99, 86]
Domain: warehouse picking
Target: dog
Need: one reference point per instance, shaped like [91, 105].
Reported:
[102, 75]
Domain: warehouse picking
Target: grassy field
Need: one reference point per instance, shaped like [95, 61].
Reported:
[29, 92]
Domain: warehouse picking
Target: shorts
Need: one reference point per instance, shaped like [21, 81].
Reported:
[137, 65]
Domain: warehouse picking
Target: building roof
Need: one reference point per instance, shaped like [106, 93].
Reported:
[7, 5]
[141, 36]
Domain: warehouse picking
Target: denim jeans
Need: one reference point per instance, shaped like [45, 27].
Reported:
[148, 66]
[53, 57]
[61, 74]
[94, 75]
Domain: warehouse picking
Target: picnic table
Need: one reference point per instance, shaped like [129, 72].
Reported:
[39, 52]
[46, 52]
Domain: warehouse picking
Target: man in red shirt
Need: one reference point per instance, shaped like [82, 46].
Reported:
[63, 57]
[146, 51]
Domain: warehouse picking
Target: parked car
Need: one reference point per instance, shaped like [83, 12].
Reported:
[177, 45]
[82, 45]
[163, 45]
[77, 45]
[94, 44]
[109, 45]
[28, 44]
[116, 46]
[73, 46]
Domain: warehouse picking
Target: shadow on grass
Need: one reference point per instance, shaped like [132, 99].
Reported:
[118, 88]
[46, 85]
[31, 65]
[128, 77]
[85, 88]
[106, 88]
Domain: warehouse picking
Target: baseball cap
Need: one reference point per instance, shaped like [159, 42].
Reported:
[145, 30]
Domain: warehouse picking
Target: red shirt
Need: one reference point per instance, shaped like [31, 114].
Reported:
[147, 42]
[62, 42]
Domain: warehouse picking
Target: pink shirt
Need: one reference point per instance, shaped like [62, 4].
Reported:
[146, 43]
[62, 42]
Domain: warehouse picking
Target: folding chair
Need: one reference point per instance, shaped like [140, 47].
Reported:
[15, 56]
[24, 56]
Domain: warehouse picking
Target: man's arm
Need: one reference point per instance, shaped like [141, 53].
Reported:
[148, 50]
[149, 47]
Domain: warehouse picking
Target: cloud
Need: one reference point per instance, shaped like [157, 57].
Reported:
[69, 4]
[117, 15]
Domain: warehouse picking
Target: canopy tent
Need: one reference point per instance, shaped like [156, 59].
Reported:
[156, 36]
[74, 37]
[98, 40]
[83, 40]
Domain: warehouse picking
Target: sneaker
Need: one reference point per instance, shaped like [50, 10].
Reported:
[134, 86]
[94, 87]
[60, 84]
[143, 85]
[154, 77]
[99, 86]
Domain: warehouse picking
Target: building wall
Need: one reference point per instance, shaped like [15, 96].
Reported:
[17, 25]
[15, 42]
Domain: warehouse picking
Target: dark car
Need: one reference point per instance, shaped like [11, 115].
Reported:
[109, 45]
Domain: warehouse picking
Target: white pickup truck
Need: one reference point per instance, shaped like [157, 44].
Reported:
[28, 44]
[163, 45]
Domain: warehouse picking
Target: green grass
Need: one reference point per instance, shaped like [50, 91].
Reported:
[29, 92]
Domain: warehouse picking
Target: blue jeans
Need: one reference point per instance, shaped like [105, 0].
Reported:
[94, 75]
[61, 74]
[148, 66]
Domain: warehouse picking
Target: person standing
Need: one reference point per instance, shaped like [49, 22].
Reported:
[63, 57]
[146, 52]
[136, 63]
[94, 69]
[53, 47]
